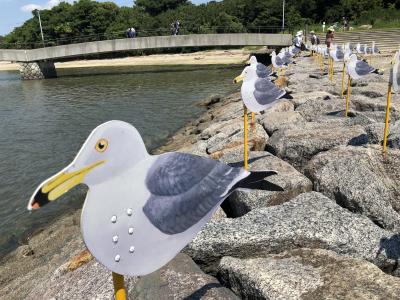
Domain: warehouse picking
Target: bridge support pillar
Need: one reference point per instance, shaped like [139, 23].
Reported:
[37, 70]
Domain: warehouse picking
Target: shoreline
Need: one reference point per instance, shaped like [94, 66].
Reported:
[209, 57]
[262, 238]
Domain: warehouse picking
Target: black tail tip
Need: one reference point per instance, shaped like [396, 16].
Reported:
[287, 96]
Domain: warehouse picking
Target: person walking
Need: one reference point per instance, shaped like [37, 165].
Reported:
[330, 35]
[314, 40]
[172, 28]
[177, 27]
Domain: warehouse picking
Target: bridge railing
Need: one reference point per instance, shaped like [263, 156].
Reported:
[140, 33]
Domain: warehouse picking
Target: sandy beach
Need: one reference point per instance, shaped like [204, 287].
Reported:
[213, 57]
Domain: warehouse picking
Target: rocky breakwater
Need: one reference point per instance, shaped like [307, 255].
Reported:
[331, 234]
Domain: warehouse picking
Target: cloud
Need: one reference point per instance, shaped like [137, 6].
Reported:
[30, 7]
[49, 5]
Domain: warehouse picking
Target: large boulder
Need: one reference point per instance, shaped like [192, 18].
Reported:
[293, 183]
[310, 220]
[362, 180]
[300, 98]
[307, 274]
[272, 121]
[298, 144]
[311, 109]
[181, 278]
[228, 136]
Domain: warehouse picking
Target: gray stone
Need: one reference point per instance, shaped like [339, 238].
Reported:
[311, 109]
[272, 121]
[228, 136]
[307, 274]
[37, 70]
[294, 183]
[310, 220]
[362, 180]
[297, 145]
[181, 278]
[300, 98]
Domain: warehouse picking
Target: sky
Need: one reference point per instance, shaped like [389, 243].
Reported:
[14, 13]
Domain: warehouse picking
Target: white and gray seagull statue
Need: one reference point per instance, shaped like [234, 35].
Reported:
[142, 209]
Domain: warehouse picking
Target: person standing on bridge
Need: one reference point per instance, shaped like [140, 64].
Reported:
[177, 27]
[133, 32]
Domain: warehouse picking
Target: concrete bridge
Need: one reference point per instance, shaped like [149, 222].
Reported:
[39, 63]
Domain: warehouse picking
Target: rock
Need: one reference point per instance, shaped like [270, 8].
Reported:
[228, 135]
[307, 274]
[208, 102]
[53, 246]
[198, 148]
[179, 279]
[365, 26]
[281, 106]
[311, 109]
[272, 121]
[300, 98]
[297, 145]
[294, 183]
[219, 214]
[375, 133]
[362, 103]
[361, 180]
[24, 251]
[310, 220]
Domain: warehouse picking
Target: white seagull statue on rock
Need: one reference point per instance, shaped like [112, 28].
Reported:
[257, 93]
[262, 71]
[142, 209]
[358, 68]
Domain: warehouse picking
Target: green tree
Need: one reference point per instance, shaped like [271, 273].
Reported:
[155, 7]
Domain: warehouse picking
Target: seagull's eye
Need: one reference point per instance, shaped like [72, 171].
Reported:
[101, 145]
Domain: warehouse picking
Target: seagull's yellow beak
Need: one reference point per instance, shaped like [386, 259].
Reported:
[58, 185]
[238, 79]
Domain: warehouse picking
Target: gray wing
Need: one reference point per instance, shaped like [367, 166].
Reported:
[278, 61]
[286, 60]
[184, 188]
[266, 92]
[363, 68]
[263, 71]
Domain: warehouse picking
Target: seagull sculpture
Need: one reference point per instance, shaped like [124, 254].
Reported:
[142, 209]
[356, 69]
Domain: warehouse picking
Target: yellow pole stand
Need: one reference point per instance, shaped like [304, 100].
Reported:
[344, 67]
[245, 151]
[386, 131]
[119, 287]
[348, 96]
[252, 119]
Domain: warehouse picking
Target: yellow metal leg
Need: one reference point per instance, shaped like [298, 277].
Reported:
[344, 67]
[119, 287]
[348, 96]
[385, 132]
[245, 150]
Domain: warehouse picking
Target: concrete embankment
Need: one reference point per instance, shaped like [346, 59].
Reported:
[332, 233]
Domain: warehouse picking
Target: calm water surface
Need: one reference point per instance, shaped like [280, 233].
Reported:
[43, 123]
